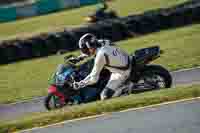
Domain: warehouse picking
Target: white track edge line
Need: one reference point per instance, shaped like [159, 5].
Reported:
[185, 69]
[104, 114]
[23, 101]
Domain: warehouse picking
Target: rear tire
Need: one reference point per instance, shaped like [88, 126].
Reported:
[159, 71]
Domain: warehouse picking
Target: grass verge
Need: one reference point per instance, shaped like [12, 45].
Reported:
[117, 104]
[59, 20]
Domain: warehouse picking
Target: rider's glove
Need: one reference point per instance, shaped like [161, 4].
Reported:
[78, 85]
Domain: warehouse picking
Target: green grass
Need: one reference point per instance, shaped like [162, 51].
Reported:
[24, 80]
[115, 104]
[181, 48]
[57, 21]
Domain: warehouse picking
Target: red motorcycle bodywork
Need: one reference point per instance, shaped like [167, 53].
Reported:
[53, 90]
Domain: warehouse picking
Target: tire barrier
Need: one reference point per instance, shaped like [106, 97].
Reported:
[159, 19]
[116, 30]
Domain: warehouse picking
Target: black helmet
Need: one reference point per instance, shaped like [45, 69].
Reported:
[88, 41]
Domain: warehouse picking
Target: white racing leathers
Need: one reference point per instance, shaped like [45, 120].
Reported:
[115, 60]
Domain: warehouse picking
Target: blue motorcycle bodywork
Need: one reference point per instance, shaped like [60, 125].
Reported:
[64, 72]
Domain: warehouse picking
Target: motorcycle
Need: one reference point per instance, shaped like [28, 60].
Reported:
[145, 77]
[100, 16]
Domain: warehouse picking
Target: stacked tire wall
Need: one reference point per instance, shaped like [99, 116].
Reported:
[116, 30]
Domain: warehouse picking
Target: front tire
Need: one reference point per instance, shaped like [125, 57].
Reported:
[52, 102]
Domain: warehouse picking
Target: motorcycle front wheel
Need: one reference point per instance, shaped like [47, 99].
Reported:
[52, 102]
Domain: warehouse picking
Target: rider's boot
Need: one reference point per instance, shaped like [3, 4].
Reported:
[130, 87]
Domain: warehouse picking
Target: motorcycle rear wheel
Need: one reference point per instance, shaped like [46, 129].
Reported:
[155, 76]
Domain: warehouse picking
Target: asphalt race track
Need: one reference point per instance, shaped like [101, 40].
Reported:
[13, 111]
[183, 117]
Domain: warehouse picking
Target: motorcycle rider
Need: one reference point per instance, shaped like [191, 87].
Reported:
[114, 59]
[102, 8]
